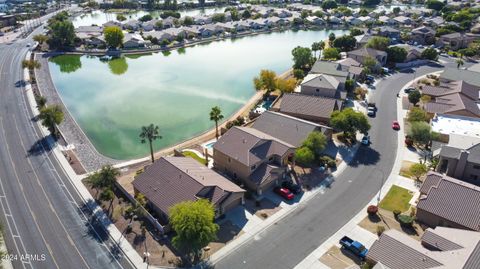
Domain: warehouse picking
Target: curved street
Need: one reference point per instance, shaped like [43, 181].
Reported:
[291, 239]
[45, 222]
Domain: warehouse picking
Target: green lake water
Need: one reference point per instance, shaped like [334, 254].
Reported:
[111, 100]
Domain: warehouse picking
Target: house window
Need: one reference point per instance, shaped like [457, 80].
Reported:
[476, 167]
[317, 90]
[253, 167]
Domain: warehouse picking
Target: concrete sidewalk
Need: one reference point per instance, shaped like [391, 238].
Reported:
[351, 228]
[255, 225]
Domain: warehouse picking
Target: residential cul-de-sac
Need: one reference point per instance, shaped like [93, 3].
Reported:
[240, 135]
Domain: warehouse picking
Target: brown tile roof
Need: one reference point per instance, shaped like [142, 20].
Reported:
[249, 146]
[308, 105]
[438, 242]
[449, 104]
[286, 128]
[393, 250]
[451, 199]
[367, 52]
[171, 180]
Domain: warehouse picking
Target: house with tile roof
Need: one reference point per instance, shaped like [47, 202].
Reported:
[463, 164]
[252, 158]
[450, 202]
[172, 180]
[457, 40]
[322, 85]
[312, 108]
[440, 248]
[423, 35]
[456, 74]
[361, 54]
[453, 98]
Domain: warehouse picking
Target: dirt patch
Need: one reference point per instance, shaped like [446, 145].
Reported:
[386, 219]
[337, 258]
[264, 209]
[227, 232]
[74, 162]
[404, 170]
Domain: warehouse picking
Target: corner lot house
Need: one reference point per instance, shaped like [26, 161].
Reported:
[446, 201]
[312, 108]
[252, 157]
[439, 248]
[459, 163]
[171, 180]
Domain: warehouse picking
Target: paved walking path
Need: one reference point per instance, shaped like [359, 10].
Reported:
[352, 229]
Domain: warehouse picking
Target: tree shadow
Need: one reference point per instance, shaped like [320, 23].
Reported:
[365, 156]
[20, 84]
[40, 147]
[374, 218]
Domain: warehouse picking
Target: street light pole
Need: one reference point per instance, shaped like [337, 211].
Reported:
[382, 177]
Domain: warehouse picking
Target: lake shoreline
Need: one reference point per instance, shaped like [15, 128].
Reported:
[90, 158]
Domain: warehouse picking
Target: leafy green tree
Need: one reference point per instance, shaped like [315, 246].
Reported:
[396, 54]
[316, 47]
[40, 38]
[430, 54]
[421, 133]
[331, 54]
[286, 85]
[304, 156]
[246, 14]
[316, 141]
[298, 73]
[417, 114]
[302, 58]
[121, 17]
[459, 63]
[350, 121]
[363, 12]
[370, 63]
[62, 35]
[234, 14]
[414, 97]
[187, 20]
[216, 116]
[150, 133]
[113, 36]
[329, 4]
[194, 225]
[396, 10]
[370, 3]
[417, 170]
[31, 64]
[331, 37]
[265, 81]
[345, 43]
[356, 31]
[145, 18]
[218, 17]
[159, 24]
[435, 5]
[378, 43]
[51, 116]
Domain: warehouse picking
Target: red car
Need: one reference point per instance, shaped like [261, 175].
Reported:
[284, 192]
[395, 125]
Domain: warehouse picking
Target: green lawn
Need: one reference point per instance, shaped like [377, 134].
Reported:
[195, 156]
[396, 198]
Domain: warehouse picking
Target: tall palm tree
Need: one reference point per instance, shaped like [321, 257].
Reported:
[216, 115]
[107, 176]
[315, 48]
[150, 133]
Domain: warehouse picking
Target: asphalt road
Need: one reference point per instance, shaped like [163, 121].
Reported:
[289, 241]
[46, 224]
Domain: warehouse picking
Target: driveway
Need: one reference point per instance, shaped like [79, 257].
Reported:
[293, 238]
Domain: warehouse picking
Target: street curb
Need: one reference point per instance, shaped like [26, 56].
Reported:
[242, 240]
[97, 213]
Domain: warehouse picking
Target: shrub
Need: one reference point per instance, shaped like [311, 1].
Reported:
[408, 141]
[327, 160]
[264, 215]
[129, 229]
[405, 220]
[372, 209]
[380, 230]
[396, 212]
[413, 212]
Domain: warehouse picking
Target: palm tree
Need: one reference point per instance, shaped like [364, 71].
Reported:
[107, 176]
[51, 116]
[459, 63]
[315, 48]
[150, 133]
[107, 195]
[216, 115]
[93, 181]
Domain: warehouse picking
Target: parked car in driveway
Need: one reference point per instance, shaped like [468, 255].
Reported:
[355, 247]
[395, 125]
[371, 111]
[294, 188]
[365, 140]
[284, 192]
